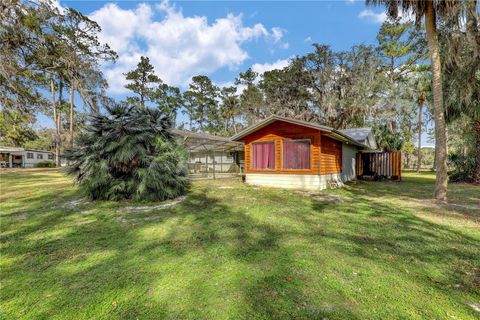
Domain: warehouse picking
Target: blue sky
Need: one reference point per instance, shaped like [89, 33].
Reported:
[222, 38]
[274, 32]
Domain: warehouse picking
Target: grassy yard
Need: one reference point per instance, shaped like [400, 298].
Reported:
[231, 251]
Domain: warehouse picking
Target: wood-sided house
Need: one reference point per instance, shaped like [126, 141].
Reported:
[289, 153]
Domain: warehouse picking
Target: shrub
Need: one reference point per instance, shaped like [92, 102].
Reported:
[464, 167]
[128, 153]
[46, 164]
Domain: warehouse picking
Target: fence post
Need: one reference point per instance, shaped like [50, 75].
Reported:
[213, 164]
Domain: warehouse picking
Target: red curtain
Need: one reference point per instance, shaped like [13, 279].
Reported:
[264, 155]
[296, 154]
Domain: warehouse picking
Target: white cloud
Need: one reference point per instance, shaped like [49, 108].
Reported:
[263, 67]
[260, 68]
[371, 16]
[240, 87]
[308, 39]
[277, 34]
[178, 46]
[407, 17]
[381, 17]
[119, 26]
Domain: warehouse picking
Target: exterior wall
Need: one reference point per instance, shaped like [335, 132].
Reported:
[370, 141]
[29, 163]
[330, 156]
[277, 132]
[325, 153]
[331, 160]
[294, 181]
[349, 154]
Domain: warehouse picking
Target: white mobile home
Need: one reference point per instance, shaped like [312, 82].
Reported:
[12, 157]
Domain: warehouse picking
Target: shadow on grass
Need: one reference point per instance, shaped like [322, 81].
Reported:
[171, 266]
[119, 282]
[395, 237]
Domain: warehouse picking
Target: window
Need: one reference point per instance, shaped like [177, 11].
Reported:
[50, 156]
[29, 155]
[263, 155]
[296, 154]
[39, 156]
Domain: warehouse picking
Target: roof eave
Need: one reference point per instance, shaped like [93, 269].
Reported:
[272, 119]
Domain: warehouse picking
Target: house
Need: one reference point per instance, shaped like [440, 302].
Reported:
[289, 153]
[23, 158]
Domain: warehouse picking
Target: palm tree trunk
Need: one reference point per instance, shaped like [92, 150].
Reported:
[441, 182]
[71, 113]
[419, 149]
[476, 172]
[55, 121]
[59, 120]
[234, 125]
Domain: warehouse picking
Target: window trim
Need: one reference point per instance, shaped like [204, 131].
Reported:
[252, 157]
[310, 153]
[30, 154]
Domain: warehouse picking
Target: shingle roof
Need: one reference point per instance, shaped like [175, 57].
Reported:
[359, 134]
[336, 134]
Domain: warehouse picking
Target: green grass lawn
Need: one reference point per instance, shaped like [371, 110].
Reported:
[372, 250]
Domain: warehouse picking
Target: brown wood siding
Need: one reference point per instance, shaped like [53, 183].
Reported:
[331, 156]
[280, 131]
[277, 132]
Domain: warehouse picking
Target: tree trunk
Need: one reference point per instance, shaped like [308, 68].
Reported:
[476, 172]
[234, 125]
[71, 113]
[441, 182]
[419, 150]
[59, 119]
[472, 29]
[55, 121]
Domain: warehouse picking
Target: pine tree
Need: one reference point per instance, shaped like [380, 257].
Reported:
[142, 80]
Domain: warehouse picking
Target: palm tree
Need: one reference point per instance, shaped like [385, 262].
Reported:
[460, 43]
[430, 10]
[421, 85]
[128, 153]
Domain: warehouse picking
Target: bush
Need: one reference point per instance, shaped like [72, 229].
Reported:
[464, 167]
[45, 164]
[129, 153]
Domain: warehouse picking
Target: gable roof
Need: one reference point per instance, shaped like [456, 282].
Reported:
[358, 134]
[362, 135]
[333, 133]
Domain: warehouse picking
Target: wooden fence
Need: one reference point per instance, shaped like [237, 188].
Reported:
[379, 165]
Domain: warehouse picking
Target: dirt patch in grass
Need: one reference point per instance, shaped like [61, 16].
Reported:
[157, 207]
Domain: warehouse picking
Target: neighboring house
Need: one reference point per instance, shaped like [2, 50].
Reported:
[22, 158]
[289, 153]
